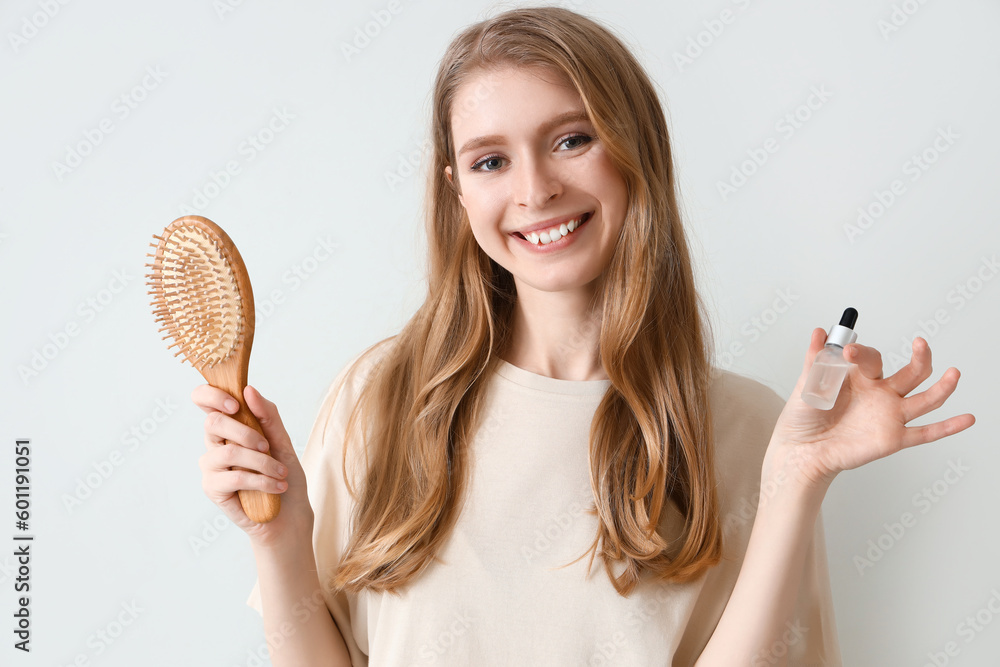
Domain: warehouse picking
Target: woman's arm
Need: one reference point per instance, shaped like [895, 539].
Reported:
[808, 449]
[297, 623]
[754, 628]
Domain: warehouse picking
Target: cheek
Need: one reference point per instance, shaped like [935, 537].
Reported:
[613, 189]
[485, 211]
[485, 224]
[598, 175]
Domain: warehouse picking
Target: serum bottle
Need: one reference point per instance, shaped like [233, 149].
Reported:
[829, 368]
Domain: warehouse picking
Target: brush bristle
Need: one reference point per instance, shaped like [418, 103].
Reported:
[195, 294]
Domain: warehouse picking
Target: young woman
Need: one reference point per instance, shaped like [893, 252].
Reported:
[544, 467]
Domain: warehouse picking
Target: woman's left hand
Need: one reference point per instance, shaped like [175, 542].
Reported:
[867, 422]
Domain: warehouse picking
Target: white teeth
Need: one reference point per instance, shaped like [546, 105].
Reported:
[554, 234]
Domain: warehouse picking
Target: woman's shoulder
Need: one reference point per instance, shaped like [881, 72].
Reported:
[743, 392]
[327, 438]
[744, 413]
[358, 368]
[345, 388]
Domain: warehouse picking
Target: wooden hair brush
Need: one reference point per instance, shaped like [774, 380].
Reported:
[202, 296]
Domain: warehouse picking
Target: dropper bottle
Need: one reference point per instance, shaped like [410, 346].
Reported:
[829, 367]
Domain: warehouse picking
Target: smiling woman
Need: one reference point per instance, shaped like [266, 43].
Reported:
[552, 399]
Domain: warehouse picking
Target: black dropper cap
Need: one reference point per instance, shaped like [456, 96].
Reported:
[843, 334]
[849, 317]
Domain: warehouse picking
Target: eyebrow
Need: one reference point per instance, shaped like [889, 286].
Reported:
[561, 119]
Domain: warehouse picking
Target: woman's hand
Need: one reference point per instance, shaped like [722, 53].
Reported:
[867, 422]
[230, 443]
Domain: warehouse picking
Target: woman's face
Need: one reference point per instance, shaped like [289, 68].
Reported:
[518, 165]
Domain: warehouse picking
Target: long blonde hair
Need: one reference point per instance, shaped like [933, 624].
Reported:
[651, 435]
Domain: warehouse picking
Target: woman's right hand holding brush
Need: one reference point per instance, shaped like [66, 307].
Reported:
[286, 565]
[229, 444]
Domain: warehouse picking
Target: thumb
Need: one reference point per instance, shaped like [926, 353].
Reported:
[816, 344]
[267, 415]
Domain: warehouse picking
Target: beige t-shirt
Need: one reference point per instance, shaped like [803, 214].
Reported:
[497, 597]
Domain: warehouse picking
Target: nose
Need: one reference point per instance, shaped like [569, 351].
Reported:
[536, 184]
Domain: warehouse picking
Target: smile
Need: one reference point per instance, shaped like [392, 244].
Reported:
[556, 236]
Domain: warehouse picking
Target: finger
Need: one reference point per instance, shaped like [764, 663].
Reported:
[867, 359]
[909, 377]
[932, 398]
[231, 481]
[210, 398]
[918, 435]
[816, 344]
[220, 428]
[229, 456]
[267, 415]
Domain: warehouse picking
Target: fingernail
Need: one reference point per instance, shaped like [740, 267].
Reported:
[262, 446]
[231, 405]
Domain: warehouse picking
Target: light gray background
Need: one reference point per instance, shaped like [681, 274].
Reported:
[327, 177]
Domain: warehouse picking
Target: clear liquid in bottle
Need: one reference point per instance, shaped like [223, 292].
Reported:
[825, 378]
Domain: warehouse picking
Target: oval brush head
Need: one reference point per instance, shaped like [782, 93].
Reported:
[202, 296]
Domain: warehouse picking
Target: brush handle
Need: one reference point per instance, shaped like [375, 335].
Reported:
[259, 506]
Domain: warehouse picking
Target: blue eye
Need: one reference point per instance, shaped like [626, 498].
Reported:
[585, 137]
[489, 158]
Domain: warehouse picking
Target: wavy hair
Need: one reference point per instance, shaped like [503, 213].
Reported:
[650, 440]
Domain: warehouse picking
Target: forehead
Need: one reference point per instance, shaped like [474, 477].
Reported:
[509, 99]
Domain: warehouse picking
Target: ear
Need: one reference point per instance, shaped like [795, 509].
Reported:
[447, 173]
